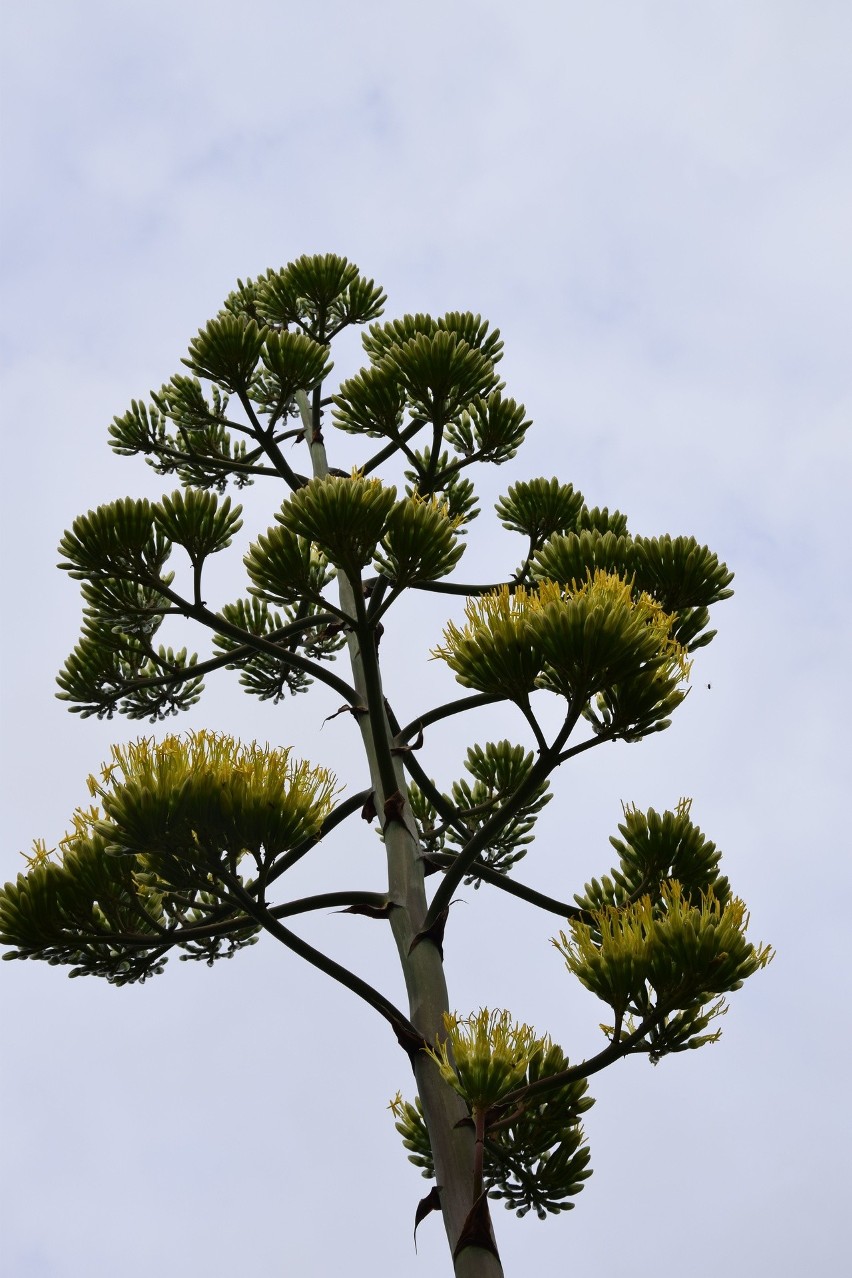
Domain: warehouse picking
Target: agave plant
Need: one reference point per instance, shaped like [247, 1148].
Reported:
[188, 839]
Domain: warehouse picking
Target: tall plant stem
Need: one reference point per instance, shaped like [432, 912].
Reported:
[447, 1120]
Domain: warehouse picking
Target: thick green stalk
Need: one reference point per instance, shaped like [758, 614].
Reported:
[447, 1119]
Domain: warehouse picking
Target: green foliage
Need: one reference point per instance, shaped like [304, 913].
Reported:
[639, 706]
[320, 295]
[602, 521]
[491, 429]
[201, 452]
[597, 636]
[139, 430]
[680, 573]
[682, 576]
[484, 1056]
[443, 478]
[109, 671]
[371, 403]
[498, 770]
[381, 339]
[662, 932]
[495, 652]
[473, 330]
[686, 578]
[118, 552]
[188, 803]
[84, 912]
[653, 848]
[120, 606]
[539, 1161]
[664, 957]
[247, 350]
[183, 402]
[411, 1125]
[439, 372]
[595, 639]
[441, 375]
[291, 362]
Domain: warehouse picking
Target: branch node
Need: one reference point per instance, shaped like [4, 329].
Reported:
[430, 865]
[354, 710]
[477, 1231]
[467, 1121]
[410, 1041]
[432, 1202]
[371, 911]
[435, 933]
[394, 808]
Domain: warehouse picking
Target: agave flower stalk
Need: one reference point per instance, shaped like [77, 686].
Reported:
[190, 838]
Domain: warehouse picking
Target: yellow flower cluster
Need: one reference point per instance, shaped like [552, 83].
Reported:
[686, 952]
[211, 789]
[486, 1055]
[260, 770]
[573, 640]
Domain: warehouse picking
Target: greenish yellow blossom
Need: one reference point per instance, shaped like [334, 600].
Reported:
[209, 789]
[40, 855]
[486, 1055]
[494, 651]
[575, 640]
[685, 952]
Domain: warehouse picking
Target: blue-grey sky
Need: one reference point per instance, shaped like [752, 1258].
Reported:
[652, 201]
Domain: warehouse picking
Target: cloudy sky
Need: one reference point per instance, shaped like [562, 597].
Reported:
[652, 201]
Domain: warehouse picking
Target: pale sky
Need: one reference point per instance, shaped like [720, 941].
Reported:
[652, 201]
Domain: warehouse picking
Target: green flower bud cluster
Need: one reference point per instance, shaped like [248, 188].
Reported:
[346, 516]
[348, 521]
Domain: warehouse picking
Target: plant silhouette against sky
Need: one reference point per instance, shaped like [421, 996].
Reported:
[187, 841]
